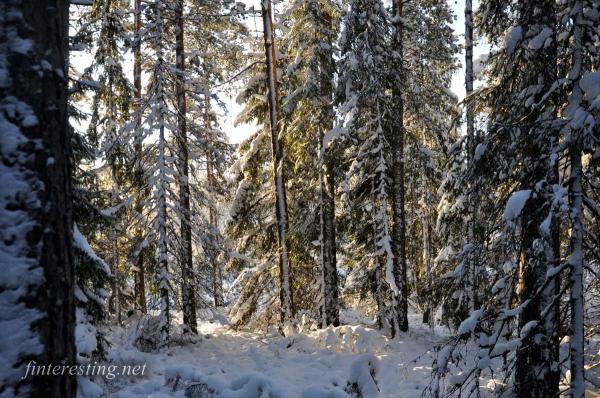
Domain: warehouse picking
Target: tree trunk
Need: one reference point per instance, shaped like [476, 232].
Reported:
[537, 371]
[397, 188]
[330, 295]
[575, 259]
[37, 280]
[140, 279]
[471, 279]
[281, 214]
[428, 316]
[162, 271]
[331, 311]
[114, 300]
[140, 285]
[576, 341]
[217, 273]
[533, 369]
[185, 256]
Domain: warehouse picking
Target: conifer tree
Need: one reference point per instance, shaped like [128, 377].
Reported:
[37, 282]
[311, 43]
[537, 125]
[365, 111]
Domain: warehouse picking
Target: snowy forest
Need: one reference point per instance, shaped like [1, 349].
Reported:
[300, 198]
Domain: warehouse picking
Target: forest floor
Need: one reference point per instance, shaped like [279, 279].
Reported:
[308, 364]
[312, 364]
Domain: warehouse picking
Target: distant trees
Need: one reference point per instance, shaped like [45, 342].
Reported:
[337, 136]
[145, 135]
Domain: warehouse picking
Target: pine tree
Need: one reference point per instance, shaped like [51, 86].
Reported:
[251, 227]
[185, 255]
[214, 49]
[430, 109]
[161, 174]
[310, 43]
[365, 110]
[281, 211]
[396, 139]
[580, 36]
[103, 25]
[140, 252]
[535, 133]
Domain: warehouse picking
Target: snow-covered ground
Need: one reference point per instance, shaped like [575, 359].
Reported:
[311, 364]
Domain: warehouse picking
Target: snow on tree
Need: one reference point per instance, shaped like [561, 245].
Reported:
[534, 135]
[365, 110]
[310, 46]
[37, 282]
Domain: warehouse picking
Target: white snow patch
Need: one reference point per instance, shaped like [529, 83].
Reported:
[590, 84]
[515, 205]
[469, 324]
[512, 38]
[541, 40]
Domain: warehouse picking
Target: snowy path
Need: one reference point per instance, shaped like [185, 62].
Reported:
[318, 360]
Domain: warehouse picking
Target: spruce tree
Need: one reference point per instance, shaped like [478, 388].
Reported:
[37, 282]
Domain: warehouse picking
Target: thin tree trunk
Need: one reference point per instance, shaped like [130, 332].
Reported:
[471, 144]
[281, 214]
[576, 341]
[185, 256]
[140, 280]
[575, 259]
[140, 284]
[217, 273]
[397, 188]
[533, 368]
[37, 279]
[331, 312]
[428, 314]
[330, 295]
[162, 272]
[115, 301]
[381, 287]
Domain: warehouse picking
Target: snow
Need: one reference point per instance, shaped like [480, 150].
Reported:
[590, 84]
[515, 205]
[469, 324]
[512, 39]
[480, 64]
[313, 364]
[363, 375]
[21, 272]
[541, 40]
[82, 244]
[480, 151]
[88, 389]
[85, 334]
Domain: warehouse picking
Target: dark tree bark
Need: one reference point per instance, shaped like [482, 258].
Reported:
[281, 213]
[217, 272]
[536, 371]
[331, 311]
[140, 278]
[33, 100]
[400, 301]
[471, 145]
[185, 255]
